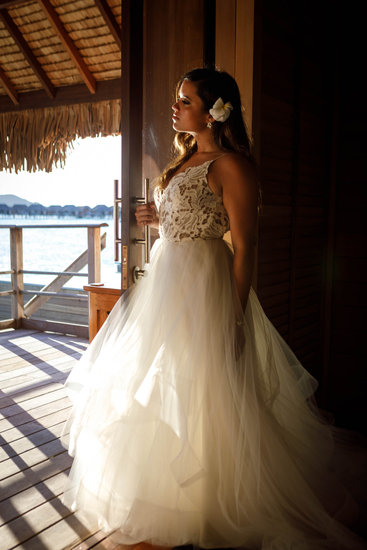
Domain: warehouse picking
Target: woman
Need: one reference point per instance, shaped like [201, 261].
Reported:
[192, 419]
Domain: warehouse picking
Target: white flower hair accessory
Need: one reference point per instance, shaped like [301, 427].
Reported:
[221, 111]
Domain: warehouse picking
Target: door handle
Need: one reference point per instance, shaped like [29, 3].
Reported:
[137, 271]
[117, 200]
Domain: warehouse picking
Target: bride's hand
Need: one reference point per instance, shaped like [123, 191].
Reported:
[146, 214]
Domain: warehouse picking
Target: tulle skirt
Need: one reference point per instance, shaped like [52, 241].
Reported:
[189, 428]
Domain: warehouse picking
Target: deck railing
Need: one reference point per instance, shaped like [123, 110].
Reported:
[20, 311]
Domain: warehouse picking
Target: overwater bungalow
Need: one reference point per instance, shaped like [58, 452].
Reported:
[4, 209]
[54, 210]
[20, 210]
[101, 211]
[299, 67]
[69, 210]
[36, 209]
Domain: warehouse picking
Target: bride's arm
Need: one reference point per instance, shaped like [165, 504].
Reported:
[240, 198]
[146, 214]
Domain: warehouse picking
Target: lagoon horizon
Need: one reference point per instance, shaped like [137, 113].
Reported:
[53, 249]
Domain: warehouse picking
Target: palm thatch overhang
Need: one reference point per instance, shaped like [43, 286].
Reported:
[60, 78]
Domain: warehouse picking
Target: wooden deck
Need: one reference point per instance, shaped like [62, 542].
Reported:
[33, 463]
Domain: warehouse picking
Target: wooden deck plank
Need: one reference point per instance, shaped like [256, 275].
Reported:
[52, 366]
[26, 500]
[33, 427]
[30, 458]
[8, 333]
[33, 464]
[25, 388]
[41, 359]
[23, 444]
[40, 472]
[39, 521]
[21, 353]
[23, 356]
[90, 542]
[35, 356]
[36, 413]
[32, 403]
[17, 354]
[23, 379]
[22, 394]
[25, 344]
[106, 544]
[63, 535]
[21, 345]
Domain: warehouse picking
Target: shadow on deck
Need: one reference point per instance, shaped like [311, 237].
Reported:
[34, 464]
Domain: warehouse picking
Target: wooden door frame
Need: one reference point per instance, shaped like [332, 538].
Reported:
[131, 143]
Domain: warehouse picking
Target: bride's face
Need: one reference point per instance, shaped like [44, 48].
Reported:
[188, 111]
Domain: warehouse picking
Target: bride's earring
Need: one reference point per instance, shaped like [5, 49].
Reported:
[209, 124]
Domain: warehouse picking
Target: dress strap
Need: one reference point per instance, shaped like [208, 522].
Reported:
[213, 160]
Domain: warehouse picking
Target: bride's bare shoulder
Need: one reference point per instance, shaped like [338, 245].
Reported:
[234, 161]
[234, 167]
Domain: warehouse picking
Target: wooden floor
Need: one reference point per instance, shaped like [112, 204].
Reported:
[33, 463]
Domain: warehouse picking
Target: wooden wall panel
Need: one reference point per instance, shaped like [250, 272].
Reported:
[234, 48]
[293, 163]
[234, 53]
[245, 55]
[310, 139]
[225, 35]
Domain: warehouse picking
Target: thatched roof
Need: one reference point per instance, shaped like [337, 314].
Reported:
[60, 68]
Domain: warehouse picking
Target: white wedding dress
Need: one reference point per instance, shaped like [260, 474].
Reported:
[180, 434]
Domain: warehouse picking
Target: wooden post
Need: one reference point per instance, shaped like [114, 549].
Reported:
[94, 255]
[16, 263]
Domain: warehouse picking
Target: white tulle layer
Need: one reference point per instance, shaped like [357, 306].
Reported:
[180, 437]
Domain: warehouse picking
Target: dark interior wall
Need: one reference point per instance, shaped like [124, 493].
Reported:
[346, 374]
[294, 175]
[307, 135]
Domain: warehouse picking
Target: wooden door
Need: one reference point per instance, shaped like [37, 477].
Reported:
[160, 41]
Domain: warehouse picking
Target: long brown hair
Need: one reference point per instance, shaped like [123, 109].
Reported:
[230, 135]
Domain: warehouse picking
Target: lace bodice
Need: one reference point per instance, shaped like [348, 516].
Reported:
[188, 209]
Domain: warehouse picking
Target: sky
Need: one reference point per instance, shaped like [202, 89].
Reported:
[86, 179]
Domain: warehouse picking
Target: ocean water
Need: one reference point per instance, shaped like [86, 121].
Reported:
[47, 249]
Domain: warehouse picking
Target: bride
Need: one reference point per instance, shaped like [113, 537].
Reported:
[193, 422]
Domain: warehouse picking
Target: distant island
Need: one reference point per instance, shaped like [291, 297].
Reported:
[11, 205]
